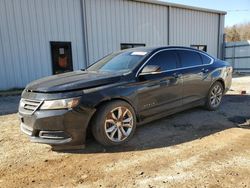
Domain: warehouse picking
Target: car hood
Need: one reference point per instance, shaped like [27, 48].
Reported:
[73, 81]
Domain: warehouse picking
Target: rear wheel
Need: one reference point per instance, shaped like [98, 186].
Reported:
[114, 123]
[214, 96]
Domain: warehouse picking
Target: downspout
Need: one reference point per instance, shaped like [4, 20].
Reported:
[169, 20]
[219, 46]
[85, 33]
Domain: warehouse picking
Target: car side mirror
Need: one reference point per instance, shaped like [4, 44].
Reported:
[150, 69]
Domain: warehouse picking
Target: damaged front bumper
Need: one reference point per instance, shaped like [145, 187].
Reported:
[65, 127]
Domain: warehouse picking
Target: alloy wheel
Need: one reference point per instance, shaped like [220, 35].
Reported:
[216, 96]
[119, 124]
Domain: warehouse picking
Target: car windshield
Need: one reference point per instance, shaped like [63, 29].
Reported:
[119, 62]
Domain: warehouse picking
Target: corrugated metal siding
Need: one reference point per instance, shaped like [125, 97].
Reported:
[112, 22]
[238, 54]
[26, 28]
[194, 27]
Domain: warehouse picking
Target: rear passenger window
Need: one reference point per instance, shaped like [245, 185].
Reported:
[206, 60]
[167, 60]
[189, 58]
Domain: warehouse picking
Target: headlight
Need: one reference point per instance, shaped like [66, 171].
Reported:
[60, 104]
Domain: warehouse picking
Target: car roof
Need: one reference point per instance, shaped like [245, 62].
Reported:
[154, 49]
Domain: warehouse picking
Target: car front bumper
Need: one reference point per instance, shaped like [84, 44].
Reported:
[57, 127]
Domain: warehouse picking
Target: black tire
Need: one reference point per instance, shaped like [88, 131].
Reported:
[209, 102]
[99, 123]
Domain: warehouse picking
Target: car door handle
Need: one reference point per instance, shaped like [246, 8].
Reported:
[175, 75]
[205, 70]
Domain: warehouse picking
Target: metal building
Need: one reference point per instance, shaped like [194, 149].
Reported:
[44, 37]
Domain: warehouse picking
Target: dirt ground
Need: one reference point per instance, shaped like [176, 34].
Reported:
[195, 148]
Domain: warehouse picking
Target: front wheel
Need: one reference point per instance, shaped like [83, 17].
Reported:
[214, 96]
[114, 123]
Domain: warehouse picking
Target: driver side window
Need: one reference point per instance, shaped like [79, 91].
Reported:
[166, 60]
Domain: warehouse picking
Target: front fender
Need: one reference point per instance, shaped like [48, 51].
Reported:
[122, 91]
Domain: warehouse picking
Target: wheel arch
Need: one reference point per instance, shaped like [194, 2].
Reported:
[221, 81]
[107, 100]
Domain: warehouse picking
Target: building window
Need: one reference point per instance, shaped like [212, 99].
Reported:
[131, 45]
[61, 57]
[200, 47]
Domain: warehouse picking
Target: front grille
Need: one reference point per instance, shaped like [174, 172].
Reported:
[30, 106]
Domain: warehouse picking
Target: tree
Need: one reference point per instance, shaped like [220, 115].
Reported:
[238, 32]
[232, 35]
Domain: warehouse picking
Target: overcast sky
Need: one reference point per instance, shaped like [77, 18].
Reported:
[238, 11]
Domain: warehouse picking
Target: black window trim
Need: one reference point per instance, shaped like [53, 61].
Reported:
[133, 44]
[181, 68]
[196, 46]
[202, 58]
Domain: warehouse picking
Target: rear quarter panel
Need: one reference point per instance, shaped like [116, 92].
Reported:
[222, 71]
